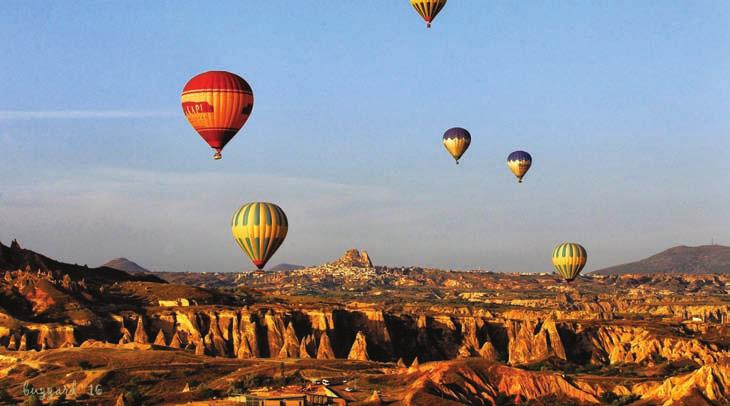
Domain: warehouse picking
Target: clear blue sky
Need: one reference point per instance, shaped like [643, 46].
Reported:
[624, 105]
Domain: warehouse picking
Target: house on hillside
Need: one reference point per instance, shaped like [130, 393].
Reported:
[290, 396]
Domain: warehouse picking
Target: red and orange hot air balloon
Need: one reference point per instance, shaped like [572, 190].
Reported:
[217, 104]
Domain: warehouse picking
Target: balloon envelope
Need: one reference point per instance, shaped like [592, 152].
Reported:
[519, 163]
[456, 140]
[569, 259]
[259, 228]
[428, 9]
[217, 104]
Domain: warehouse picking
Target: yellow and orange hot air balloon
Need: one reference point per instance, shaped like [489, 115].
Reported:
[428, 9]
[259, 228]
[217, 104]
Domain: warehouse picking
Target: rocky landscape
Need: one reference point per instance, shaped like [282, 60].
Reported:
[414, 335]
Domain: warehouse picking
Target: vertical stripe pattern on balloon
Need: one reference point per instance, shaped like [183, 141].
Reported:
[428, 9]
[569, 259]
[259, 228]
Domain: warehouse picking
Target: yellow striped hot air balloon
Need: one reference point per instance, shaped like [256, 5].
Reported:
[428, 9]
[259, 228]
[569, 258]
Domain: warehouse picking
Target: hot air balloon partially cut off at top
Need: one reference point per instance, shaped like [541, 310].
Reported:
[519, 163]
[457, 141]
[569, 259]
[259, 228]
[428, 9]
[217, 104]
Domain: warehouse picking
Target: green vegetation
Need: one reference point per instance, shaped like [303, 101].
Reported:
[679, 367]
[133, 383]
[257, 381]
[203, 392]
[555, 365]
[613, 399]
[62, 401]
[32, 400]
[538, 366]
[658, 359]
[132, 397]
[5, 397]
[551, 400]
[504, 400]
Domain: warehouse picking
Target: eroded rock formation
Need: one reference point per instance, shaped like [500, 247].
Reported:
[359, 350]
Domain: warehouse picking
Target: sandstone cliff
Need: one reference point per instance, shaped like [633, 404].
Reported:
[708, 385]
[480, 383]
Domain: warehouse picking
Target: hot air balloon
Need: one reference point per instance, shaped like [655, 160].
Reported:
[428, 9]
[569, 258]
[217, 104]
[456, 140]
[259, 228]
[519, 163]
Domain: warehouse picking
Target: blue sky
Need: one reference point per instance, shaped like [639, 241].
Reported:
[624, 105]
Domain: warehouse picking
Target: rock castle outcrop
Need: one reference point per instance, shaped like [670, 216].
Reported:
[354, 258]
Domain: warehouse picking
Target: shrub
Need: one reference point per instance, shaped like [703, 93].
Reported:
[132, 397]
[296, 379]
[257, 381]
[204, 392]
[59, 401]
[32, 400]
[5, 397]
[679, 367]
[133, 383]
[613, 399]
[504, 400]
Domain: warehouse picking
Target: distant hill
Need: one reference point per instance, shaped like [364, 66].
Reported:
[682, 259]
[15, 257]
[123, 264]
[285, 267]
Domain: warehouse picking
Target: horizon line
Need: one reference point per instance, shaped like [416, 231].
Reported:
[6, 115]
